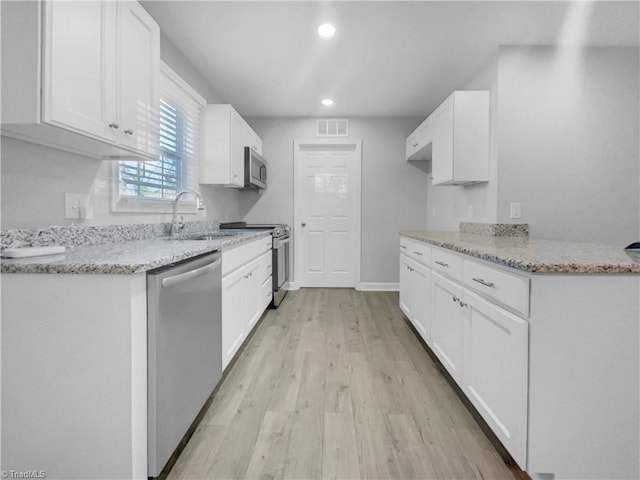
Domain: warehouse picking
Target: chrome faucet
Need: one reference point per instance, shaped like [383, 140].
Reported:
[175, 226]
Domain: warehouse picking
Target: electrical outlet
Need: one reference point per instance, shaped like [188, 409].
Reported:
[516, 211]
[77, 206]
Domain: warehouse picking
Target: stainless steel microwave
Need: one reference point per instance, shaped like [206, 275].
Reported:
[255, 169]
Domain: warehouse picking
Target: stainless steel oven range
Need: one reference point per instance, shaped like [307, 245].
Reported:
[281, 234]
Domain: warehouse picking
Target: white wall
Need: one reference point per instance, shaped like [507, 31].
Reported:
[35, 179]
[393, 191]
[447, 206]
[564, 143]
[568, 142]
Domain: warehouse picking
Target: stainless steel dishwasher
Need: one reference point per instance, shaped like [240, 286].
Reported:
[184, 350]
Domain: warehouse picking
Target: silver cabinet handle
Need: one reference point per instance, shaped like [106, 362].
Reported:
[442, 263]
[184, 277]
[304, 224]
[483, 282]
[455, 299]
[462, 304]
[128, 131]
[114, 125]
[403, 246]
[418, 253]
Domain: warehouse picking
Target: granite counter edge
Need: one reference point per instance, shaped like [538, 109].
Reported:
[530, 267]
[131, 268]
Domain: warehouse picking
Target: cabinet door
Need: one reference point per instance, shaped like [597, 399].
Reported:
[406, 286]
[234, 314]
[138, 75]
[253, 300]
[238, 142]
[447, 318]
[421, 300]
[495, 371]
[442, 167]
[411, 145]
[79, 67]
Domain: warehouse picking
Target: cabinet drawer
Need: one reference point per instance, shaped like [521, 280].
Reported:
[503, 287]
[447, 263]
[241, 255]
[265, 266]
[266, 292]
[420, 252]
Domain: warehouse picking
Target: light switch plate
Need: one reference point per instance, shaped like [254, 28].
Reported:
[515, 210]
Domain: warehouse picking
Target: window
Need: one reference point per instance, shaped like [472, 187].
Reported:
[151, 186]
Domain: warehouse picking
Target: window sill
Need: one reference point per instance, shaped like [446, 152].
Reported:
[151, 206]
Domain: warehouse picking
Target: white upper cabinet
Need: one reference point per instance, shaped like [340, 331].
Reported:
[138, 78]
[81, 77]
[461, 139]
[419, 143]
[225, 136]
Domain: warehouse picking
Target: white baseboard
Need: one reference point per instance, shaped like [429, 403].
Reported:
[378, 286]
[362, 286]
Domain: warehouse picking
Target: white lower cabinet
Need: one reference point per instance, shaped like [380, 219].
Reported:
[496, 366]
[406, 286]
[415, 287]
[254, 297]
[447, 322]
[243, 293]
[483, 346]
[234, 314]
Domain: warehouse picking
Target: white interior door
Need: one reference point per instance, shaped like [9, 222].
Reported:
[327, 213]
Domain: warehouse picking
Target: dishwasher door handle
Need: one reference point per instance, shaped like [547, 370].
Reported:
[186, 276]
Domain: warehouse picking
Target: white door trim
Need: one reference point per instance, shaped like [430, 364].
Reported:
[321, 144]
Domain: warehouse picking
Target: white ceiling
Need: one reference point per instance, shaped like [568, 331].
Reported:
[388, 58]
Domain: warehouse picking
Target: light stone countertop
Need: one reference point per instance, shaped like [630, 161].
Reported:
[536, 255]
[129, 257]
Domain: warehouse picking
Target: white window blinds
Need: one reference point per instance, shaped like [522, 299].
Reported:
[179, 127]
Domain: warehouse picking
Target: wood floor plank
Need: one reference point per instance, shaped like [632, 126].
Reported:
[340, 455]
[413, 457]
[375, 455]
[198, 454]
[304, 457]
[269, 458]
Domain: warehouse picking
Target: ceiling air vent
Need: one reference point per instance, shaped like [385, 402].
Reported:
[332, 127]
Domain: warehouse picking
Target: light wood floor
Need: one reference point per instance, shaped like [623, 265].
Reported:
[335, 384]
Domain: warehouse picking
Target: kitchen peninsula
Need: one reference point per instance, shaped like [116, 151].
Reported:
[540, 335]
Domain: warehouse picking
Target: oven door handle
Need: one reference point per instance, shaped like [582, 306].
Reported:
[284, 242]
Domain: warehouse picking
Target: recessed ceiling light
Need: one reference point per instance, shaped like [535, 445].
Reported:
[326, 30]
[327, 102]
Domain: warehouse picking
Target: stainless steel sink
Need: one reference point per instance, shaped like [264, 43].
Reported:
[207, 236]
[214, 236]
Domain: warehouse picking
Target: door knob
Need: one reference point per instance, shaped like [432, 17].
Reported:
[304, 224]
